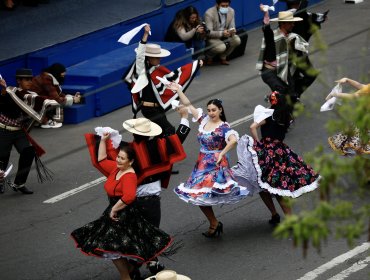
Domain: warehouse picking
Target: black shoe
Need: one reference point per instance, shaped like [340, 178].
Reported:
[155, 267]
[135, 274]
[23, 189]
[175, 172]
[213, 232]
[274, 220]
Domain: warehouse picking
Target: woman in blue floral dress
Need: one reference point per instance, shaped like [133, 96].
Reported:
[212, 181]
[279, 171]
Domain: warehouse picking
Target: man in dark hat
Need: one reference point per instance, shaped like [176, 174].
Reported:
[48, 84]
[311, 22]
[276, 67]
[18, 106]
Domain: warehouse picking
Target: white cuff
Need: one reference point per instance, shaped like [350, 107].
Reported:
[185, 122]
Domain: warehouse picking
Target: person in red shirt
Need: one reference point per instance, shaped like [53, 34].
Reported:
[121, 233]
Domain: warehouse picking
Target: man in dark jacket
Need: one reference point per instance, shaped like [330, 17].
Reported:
[18, 108]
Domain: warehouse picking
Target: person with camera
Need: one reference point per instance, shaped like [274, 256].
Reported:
[221, 39]
[188, 29]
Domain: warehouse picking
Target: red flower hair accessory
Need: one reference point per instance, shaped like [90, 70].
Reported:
[273, 98]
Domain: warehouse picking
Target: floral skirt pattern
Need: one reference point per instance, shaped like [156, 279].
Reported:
[132, 237]
[349, 145]
[281, 171]
[211, 184]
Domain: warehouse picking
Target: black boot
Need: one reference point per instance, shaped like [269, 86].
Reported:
[22, 188]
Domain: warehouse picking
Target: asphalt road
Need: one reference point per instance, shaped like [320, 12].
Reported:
[34, 236]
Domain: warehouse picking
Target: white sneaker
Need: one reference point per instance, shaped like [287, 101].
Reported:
[51, 124]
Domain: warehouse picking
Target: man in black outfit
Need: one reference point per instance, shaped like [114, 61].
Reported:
[311, 22]
[17, 107]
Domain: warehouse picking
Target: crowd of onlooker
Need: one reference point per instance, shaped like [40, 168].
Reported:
[214, 36]
[11, 5]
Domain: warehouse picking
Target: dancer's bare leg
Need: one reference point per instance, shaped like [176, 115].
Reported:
[208, 212]
[284, 206]
[267, 199]
[123, 268]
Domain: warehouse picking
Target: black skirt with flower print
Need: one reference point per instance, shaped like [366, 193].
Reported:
[131, 237]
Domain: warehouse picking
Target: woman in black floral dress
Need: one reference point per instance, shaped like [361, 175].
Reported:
[121, 234]
[270, 164]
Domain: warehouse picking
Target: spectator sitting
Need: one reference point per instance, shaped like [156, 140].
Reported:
[221, 40]
[48, 83]
[187, 28]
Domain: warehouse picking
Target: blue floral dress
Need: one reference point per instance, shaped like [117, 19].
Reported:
[209, 183]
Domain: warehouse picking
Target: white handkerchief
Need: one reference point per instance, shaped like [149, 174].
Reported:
[175, 104]
[114, 135]
[261, 113]
[163, 80]
[329, 105]
[274, 2]
[266, 8]
[8, 170]
[126, 38]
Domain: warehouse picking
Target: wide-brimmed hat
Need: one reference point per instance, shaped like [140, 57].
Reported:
[168, 275]
[154, 50]
[286, 17]
[24, 73]
[142, 126]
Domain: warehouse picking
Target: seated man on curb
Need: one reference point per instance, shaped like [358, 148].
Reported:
[221, 39]
[48, 84]
[18, 106]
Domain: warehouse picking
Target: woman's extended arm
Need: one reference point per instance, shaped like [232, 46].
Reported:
[232, 140]
[183, 98]
[102, 152]
[353, 83]
[253, 128]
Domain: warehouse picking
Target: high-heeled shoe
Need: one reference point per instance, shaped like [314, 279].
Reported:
[213, 232]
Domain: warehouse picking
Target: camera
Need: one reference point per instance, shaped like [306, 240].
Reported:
[206, 30]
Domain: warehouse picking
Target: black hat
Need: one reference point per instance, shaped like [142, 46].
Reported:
[24, 73]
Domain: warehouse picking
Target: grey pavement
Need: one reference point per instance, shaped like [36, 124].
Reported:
[29, 29]
[34, 236]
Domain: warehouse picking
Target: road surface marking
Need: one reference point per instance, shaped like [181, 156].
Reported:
[76, 190]
[354, 268]
[336, 261]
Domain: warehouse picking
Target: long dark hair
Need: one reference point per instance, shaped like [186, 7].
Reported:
[283, 109]
[218, 104]
[182, 18]
[124, 147]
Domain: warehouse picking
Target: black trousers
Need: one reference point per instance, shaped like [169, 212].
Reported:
[271, 78]
[150, 208]
[26, 153]
[158, 116]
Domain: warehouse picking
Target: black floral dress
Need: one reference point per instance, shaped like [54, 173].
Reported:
[279, 170]
[132, 237]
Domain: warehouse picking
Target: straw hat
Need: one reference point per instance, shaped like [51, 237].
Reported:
[154, 50]
[168, 275]
[286, 17]
[142, 126]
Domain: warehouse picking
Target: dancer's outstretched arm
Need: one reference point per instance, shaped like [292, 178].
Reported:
[183, 98]
[254, 127]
